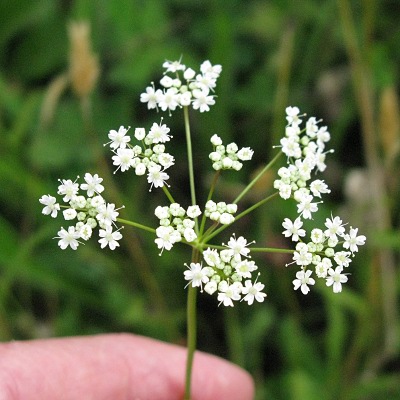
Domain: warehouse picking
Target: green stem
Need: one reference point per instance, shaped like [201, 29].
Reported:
[270, 250]
[257, 249]
[190, 161]
[168, 194]
[212, 188]
[136, 225]
[191, 317]
[253, 182]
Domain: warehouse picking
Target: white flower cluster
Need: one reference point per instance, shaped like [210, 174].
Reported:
[228, 157]
[229, 272]
[151, 158]
[220, 212]
[184, 88]
[321, 254]
[175, 223]
[90, 211]
[305, 151]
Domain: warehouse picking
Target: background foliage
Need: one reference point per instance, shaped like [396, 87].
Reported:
[337, 60]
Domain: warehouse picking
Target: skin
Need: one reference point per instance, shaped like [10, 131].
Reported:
[114, 367]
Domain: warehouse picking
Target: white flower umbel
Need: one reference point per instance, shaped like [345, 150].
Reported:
[226, 271]
[87, 212]
[148, 156]
[179, 223]
[220, 212]
[228, 157]
[183, 87]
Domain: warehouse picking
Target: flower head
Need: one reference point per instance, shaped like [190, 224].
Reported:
[336, 278]
[197, 275]
[303, 279]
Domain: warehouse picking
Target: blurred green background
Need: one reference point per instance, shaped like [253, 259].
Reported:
[337, 60]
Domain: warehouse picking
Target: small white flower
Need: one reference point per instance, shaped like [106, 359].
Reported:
[237, 247]
[140, 169]
[293, 228]
[97, 201]
[123, 159]
[226, 218]
[317, 187]
[285, 191]
[351, 240]
[109, 238]
[68, 238]
[244, 268]
[303, 280]
[185, 99]
[342, 258]
[290, 147]
[169, 100]
[245, 154]
[140, 133]
[173, 66]
[211, 257]
[335, 227]
[207, 68]
[193, 211]
[166, 160]
[189, 74]
[118, 138]
[166, 81]
[162, 212]
[189, 235]
[196, 275]
[216, 140]
[317, 236]
[156, 177]
[85, 231]
[211, 287]
[253, 291]
[151, 97]
[93, 184]
[51, 206]
[321, 269]
[292, 115]
[302, 258]
[306, 207]
[69, 214]
[159, 133]
[229, 293]
[107, 214]
[202, 100]
[336, 279]
[166, 237]
[68, 188]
